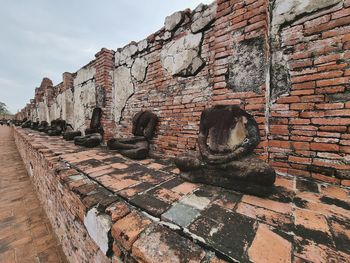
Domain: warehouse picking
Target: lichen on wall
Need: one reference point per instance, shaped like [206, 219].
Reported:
[247, 68]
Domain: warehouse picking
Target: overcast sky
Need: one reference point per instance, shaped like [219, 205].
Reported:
[41, 38]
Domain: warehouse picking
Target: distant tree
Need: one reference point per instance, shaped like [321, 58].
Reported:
[3, 108]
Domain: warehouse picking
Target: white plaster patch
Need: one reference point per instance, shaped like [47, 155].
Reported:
[84, 75]
[139, 69]
[173, 21]
[287, 10]
[182, 56]
[203, 16]
[122, 90]
[98, 225]
[84, 103]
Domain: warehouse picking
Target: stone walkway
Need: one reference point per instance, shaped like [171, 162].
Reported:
[25, 232]
[300, 220]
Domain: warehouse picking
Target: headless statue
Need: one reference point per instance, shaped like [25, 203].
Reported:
[137, 147]
[57, 127]
[43, 126]
[93, 135]
[70, 134]
[227, 138]
[34, 125]
[27, 124]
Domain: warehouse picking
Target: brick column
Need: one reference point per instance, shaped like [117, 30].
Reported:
[104, 68]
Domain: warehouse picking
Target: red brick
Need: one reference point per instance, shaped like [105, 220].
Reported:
[302, 106]
[265, 238]
[331, 121]
[329, 25]
[301, 145]
[290, 99]
[317, 76]
[337, 112]
[305, 85]
[330, 106]
[332, 82]
[127, 230]
[324, 147]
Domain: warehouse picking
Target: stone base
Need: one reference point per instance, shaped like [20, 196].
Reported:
[248, 175]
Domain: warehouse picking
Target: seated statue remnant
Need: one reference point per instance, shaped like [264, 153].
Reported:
[93, 135]
[70, 134]
[43, 126]
[227, 137]
[137, 147]
[27, 124]
[57, 127]
[34, 125]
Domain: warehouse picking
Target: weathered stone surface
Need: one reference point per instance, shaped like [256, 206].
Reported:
[248, 66]
[123, 89]
[198, 202]
[84, 75]
[261, 248]
[139, 69]
[181, 214]
[142, 45]
[128, 229]
[84, 102]
[124, 56]
[173, 21]
[182, 56]
[287, 10]
[203, 16]
[280, 77]
[98, 226]
[162, 245]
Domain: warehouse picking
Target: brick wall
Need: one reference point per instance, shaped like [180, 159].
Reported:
[289, 69]
[309, 124]
[64, 208]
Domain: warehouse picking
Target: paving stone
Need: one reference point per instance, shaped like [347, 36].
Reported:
[25, 234]
[217, 225]
[160, 244]
[127, 230]
[282, 221]
[181, 214]
[118, 210]
[305, 185]
[335, 192]
[312, 252]
[269, 247]
[150, 204]
[185, 188]
[268, 204]
[341, 232]
[195, 201]
[131, 191]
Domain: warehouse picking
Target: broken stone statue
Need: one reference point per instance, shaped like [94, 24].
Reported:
[57, 127]
[227, 137]
[70, 134]
[43, 126]
[27, 124]
[34, 125]
[93, 135]
[137, 147]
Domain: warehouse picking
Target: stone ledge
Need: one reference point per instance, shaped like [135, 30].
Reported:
[145, 212]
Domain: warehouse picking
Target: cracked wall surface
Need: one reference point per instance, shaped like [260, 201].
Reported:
[84, 97]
